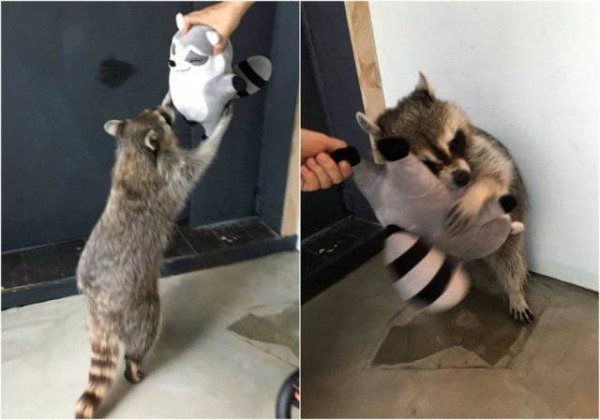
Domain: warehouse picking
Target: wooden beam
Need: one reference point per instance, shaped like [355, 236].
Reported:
[290, 225]
[365, 60]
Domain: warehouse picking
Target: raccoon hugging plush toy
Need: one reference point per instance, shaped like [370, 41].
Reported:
[423, 257]
[201, 83]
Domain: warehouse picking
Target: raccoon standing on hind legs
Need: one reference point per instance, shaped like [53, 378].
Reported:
[464, 157]
[119, 266]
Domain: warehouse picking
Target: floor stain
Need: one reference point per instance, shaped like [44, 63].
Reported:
[280, 328]
[480, 324]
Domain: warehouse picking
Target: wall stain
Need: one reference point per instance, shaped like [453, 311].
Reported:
[480, 324]
[113, 72]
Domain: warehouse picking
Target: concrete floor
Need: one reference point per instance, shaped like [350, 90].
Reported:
[211, 361]
[365, 355]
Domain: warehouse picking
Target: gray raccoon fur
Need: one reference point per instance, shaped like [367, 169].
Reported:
[442, 137]
[119, 266]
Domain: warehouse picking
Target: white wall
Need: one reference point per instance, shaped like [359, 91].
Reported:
[527, 73]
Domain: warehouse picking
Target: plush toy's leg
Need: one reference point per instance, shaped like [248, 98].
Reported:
[511, 269]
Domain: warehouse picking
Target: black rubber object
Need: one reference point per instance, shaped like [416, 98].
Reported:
[349, 154]
[286, 398]
[393, 148]
[508, 202]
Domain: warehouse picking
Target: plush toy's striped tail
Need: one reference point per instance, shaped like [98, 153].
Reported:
[256, 72]
[423, 273]
[105, 352]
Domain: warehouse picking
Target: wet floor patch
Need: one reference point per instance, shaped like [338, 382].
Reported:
[269, 327]
[477, 333]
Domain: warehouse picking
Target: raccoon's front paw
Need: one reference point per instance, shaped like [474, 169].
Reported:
[224, 120]
[519, 309]
[461, 216]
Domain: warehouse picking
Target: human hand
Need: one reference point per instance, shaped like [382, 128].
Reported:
[319, 170]
[223, 17]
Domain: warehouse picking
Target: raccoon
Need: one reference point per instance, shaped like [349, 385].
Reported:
[119, 266]
[464, 156]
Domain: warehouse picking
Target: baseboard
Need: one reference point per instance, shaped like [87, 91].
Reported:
[330, 254]
[198, 255]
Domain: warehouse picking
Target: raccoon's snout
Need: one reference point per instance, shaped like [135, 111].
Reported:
[172, 63]
[461, 177]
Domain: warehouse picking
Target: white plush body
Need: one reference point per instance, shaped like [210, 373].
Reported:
[195, 89]
[405, 193]
[202, 83]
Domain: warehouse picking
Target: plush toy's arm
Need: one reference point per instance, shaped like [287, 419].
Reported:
[255, 71]
[230, 85]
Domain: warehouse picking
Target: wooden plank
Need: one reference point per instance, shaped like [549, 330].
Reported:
[291, 209]
[365, 60]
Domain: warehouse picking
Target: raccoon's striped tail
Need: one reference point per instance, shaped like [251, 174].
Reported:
[256, 72]
[105, 352]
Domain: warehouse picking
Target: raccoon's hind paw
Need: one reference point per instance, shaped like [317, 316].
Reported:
[519, 310]
[523, 317]
[133, 374]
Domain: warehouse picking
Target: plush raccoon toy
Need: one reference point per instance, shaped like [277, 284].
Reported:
[201, 83]
[424, 261]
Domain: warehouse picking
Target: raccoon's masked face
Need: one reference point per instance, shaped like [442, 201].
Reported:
[437, 131]
[149, 133]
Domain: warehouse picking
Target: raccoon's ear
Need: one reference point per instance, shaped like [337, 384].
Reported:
[151, 140]
[423, 85]
[113, 127]
[367, 125]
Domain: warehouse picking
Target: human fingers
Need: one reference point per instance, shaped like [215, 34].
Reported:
[345, 169]
[310, 182]
[324, 179]
[330, 167]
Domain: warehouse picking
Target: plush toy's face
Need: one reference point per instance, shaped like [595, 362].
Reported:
[192, 51]
[438, 133]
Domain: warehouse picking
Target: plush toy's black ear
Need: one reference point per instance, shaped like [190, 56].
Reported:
[349, 154]
[508, 202]
[393, 148]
